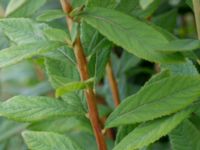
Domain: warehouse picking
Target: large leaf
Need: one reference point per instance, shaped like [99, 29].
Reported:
[129, 33]
[49, 141]
[157, 99]
[15, 54]
[30, 109]
[149, 132]
[23, 8]
[22, 31]
[186, 136]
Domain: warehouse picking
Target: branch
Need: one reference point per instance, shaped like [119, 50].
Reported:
[84, 74]
[113, 84]
[196, 5]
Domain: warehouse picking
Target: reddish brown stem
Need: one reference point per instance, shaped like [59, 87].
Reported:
[83, 70]
[113, 84]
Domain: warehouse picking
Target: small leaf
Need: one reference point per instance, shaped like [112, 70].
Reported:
[50, 15]
[157, 99]
[73, 86]
[151, 131]
[145, 3]
[49, 141]
[58, 35]
[129, 33]
[31, 109]
[15, 54]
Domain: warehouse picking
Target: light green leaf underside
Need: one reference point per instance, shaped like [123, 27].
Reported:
[179, 45]
[23, 31]
[49, 141]
[15, 54]
[23, 8]
[50, 15]
[156, 100]
[65, 124]
[151, 131]
[135, 34]
[73, 86]
[185, 137]
[31, 109]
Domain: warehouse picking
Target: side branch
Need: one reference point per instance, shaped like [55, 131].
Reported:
[113, 84]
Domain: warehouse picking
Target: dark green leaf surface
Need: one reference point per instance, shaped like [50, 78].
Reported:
[158, 99]
[135, 34]
[149, 132]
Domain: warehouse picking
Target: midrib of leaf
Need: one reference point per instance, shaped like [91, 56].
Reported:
[151, 102]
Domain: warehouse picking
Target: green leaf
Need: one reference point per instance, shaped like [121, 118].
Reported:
[179, 45]
[23, 31]
[151, 131]
[58, 35]
[31, 109]
[15, 54]
[49, 141]
[66, 124]
[73, 86]
[23, 8]
[129, 33]
[185, 136]
[157, 99]
[145, 3]
[50, 15]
